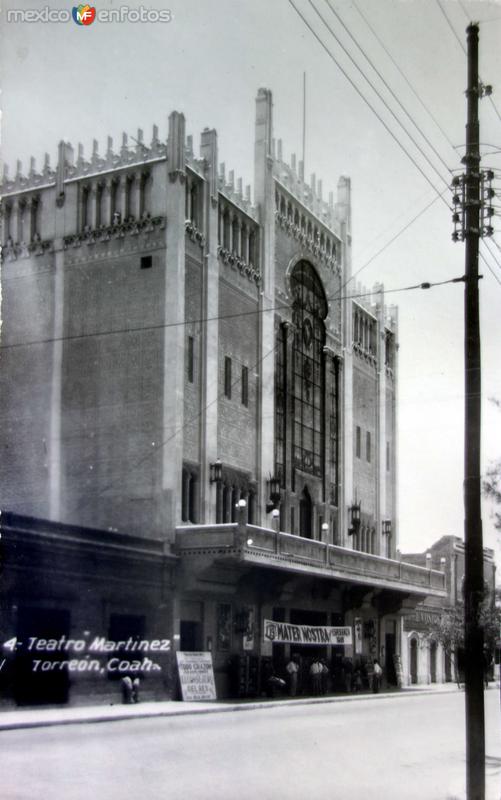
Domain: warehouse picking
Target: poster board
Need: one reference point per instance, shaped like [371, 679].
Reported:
[196, 676]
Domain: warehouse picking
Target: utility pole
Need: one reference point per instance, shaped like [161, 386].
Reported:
[474, 554]
[472, 219]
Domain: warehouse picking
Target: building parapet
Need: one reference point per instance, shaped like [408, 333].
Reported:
[267, 548]
[291, 176]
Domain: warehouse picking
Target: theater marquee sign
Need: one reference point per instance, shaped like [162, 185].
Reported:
[283, 633]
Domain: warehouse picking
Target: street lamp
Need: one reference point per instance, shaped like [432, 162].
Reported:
[216, 471]
[273, 493]
[354, 512]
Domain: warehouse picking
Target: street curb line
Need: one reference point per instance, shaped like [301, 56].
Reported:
[152, 714]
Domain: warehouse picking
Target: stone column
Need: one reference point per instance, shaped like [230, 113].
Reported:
[106, 216]
[135, 196]
[122, 197]
[211, 220]
[174, 333]
[264, 198]
[380, 455]
[18, 210]
[92, 207]
[346, 494]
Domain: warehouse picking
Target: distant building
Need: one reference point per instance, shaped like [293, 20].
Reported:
[198, 416]
[423, 658]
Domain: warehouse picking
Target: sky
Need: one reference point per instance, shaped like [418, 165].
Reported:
[79, 83]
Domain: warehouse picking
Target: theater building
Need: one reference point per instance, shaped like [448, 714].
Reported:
[198, 415]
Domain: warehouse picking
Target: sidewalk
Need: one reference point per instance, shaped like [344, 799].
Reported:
[45, 717]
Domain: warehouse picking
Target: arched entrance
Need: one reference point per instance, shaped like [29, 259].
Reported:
[433, 662]
[414, 660]
[305, 514]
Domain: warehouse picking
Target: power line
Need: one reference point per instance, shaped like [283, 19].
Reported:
[385, 82]
[204, 320]
[461, 43]
[153, 453]
[221, 394]
[305, 21]
[489, 267]
[409, 84]
[381, 98]
[360, 93]
[463, 48]
[402, 230]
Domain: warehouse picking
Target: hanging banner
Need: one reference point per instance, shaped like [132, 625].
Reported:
[283, 633]
[196, 676]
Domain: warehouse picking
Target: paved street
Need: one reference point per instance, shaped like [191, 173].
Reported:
[397, 748]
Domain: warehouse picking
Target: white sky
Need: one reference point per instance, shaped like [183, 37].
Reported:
[79, 83]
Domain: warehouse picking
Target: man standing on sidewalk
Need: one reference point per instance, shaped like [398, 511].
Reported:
[376, 676]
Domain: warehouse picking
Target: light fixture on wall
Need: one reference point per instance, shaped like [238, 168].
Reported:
[386, 527]
[354, 512]
[273, 494]
[216, 471]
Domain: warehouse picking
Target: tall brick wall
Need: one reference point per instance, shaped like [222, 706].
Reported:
[193, 329]
[238, 339]
[111, 432]
[25, 398]
[391, 439]
[364, 415]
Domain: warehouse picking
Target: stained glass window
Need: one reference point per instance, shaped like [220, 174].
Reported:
[308, 313]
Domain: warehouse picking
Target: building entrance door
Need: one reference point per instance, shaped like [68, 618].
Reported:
[414, 671]
[389, 665]
[190, 636]
[305, 514]
[433, 662]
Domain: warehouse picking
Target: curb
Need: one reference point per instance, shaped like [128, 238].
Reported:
[154, 711]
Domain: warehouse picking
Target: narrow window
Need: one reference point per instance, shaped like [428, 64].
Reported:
[185, 492]
[245, 386]
[387, 456]
[334, 530]
[368, 446]
[146, 262]
[227, 377]
[293, 521]
[251, 508]
[190, 366]
[358, 442]
[192, 499]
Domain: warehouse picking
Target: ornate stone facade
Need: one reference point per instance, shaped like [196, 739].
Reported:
[181, 356]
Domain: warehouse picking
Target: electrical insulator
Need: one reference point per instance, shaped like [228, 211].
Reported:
[456, 218]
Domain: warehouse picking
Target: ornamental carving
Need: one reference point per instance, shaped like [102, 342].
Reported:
[308, 241]
[248, 270]
[194, 233]
[118, 230]
[14, 250]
